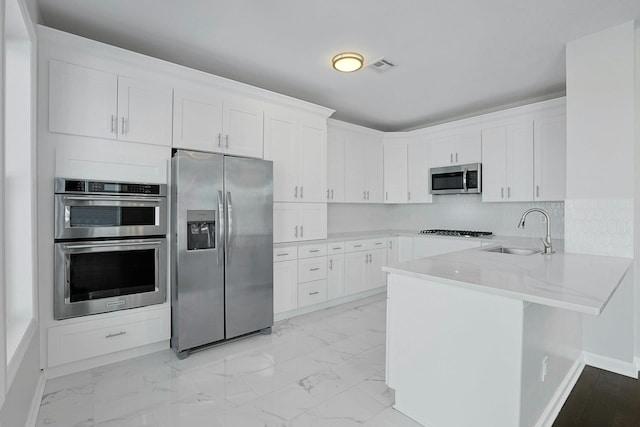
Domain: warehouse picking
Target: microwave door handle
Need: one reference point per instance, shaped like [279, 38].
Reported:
[114, 244]
[464, 179]
[220, 226]
[112, 198]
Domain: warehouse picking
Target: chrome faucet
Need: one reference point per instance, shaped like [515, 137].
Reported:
[548, 250]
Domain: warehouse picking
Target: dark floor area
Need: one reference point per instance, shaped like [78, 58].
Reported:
[601, 399]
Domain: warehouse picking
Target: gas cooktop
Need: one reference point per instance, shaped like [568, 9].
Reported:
[462, 233]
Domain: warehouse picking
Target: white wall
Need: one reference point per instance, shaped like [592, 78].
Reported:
[599, 214]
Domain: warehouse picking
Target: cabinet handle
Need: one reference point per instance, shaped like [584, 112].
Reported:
[295, 194]
[296, 231]
[456, 157]
[378, 243]
[508, 192]
[302, 191]
[332, 194]
[357, 246]
[314, 251]
[226, 141]
[409, 195]
[301, 231]
[367, 194]
[366, 259]
[314, 269]
[450, 157]
[537, 191]
[117, 334]
[314, 293]
[386, 195]
[331, 264]
[390, 244]
[364, 195]
[370, 260]
[328, 194]
[502, 192]
[283, 254]
[219, 140]
[114, 124]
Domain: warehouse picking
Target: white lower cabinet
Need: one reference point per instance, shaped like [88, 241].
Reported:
[335, 276]
[87, 339]
[311, 293]
[363, 265]
[285, 286]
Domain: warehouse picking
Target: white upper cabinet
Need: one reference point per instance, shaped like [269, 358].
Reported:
[88, 102]
[197, 121]
[298, 148]
[418, 171]
[395, 172]
[550, 158]
[206, 120]
[363, 157]
[456, 149]
[299, 221]
[507, 169]
[335, 165]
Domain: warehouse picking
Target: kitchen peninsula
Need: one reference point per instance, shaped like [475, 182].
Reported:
[485, 338]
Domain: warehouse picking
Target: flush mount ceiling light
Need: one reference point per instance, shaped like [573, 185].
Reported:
[347, 62]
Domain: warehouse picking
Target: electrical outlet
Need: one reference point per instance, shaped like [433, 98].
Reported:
[545, 364]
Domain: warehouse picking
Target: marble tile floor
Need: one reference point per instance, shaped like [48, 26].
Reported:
[321, 369]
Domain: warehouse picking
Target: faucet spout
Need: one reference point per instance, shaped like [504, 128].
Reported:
[548, 249]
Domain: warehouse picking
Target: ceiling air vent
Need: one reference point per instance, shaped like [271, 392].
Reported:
[381, 65]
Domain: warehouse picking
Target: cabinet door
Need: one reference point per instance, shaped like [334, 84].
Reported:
[550, 158]
[441, 151]
[312, 162]
[285, 286]
[418, 172]
[335, 276]
[281, 146]
[395, 172]
[393, 251]
[82, 101]
[285, 222]
[494, 164]
[312, 218]
[197, 122]
[335, 166]
[354, 263]
[354, 172]
[375, 277]
[374, 178]
[146, 111]
[242, 125]
[520, 162]
[467, 148]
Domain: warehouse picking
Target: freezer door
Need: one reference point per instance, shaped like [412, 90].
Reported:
[198, 250]
[249, 250]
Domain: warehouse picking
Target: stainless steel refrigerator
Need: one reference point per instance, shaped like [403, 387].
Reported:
[222, 248]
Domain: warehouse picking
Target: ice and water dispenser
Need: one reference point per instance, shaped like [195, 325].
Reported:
[201, 230]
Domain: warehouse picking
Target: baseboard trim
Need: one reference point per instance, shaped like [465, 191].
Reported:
[32, 418]
[552, 410]
[628, 369]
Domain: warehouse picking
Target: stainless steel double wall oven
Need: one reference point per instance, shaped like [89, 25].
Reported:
[110, 246]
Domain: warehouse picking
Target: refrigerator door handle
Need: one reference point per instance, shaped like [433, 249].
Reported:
[220, 226]
[229, 225]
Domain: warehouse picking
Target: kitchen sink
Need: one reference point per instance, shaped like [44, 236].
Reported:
[513, 251]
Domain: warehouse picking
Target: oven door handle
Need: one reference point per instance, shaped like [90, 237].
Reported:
[111, 245]
[113, 198]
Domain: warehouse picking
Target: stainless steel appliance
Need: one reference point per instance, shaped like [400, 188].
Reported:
[110, 246]
[459, 179]
[458, 233]
[222, 250]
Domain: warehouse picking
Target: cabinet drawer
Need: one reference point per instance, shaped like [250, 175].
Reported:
[285, 253]
[312, 293]
[308, 251]
[78, 341]
[356, 245]
[335, 248]
[312, 269]
[378, 243]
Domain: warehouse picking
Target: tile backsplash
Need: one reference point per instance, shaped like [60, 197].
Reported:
[461, 212]
[599, 226]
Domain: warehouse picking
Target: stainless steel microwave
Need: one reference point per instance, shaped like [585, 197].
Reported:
[459, 179]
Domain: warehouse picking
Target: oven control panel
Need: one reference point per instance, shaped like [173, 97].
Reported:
[64, 185]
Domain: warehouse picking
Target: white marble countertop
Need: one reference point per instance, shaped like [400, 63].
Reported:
[576, 282]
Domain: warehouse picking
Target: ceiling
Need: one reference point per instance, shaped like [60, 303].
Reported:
[454, 58]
